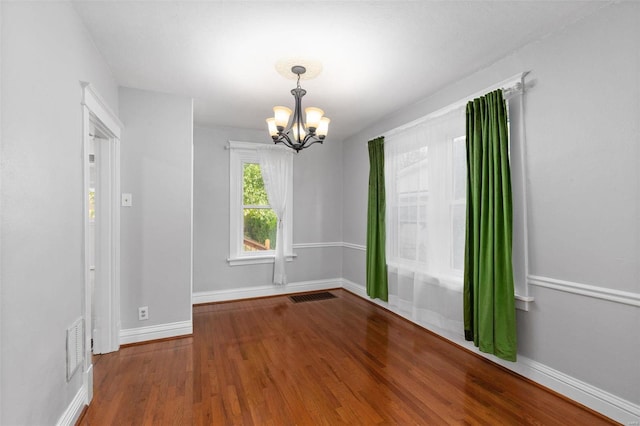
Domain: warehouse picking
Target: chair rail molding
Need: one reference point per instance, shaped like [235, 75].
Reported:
[355, 246]
[618, 296]
[330, 244]
[318, 245]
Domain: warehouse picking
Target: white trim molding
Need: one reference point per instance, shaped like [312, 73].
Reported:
[269, 258]
[317, 245]
[264, 291]
[356, 289]
[618, 296]
[523, 302]
[96, 114]
[355, 246]
[154, 332]
[92, 99]
[256, 260]
[244, 145]
[330, 244]
[595, 398]
[74, 409]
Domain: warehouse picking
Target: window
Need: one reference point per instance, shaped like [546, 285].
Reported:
[425, 170]
[253, 223]
[259, 220]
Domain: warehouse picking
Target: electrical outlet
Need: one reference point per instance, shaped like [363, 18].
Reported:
[143, 313]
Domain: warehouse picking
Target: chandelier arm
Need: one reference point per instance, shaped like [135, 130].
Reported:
[285, 139]
[312, 142]
[307, 138]
[287, 142]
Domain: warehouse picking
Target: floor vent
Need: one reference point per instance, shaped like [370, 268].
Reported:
[75, 336]
[312, 297]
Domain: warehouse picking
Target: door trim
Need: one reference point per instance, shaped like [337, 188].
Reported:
[95, 111]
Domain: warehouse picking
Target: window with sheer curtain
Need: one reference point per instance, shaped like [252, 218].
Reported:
[425, 172]
[253, 227]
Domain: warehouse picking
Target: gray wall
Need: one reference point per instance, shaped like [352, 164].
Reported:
[583, 142]
[583, 161]
[156, 152]
[317, 213]
[46, 52]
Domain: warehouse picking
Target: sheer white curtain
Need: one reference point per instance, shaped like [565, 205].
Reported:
[276, 164]
[425, 173]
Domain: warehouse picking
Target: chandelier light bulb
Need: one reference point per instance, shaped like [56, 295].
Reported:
[271, 123]
[298, 130]
[281, 115]
[313, 117]
[323, 128]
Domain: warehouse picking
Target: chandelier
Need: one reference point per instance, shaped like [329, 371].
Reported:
[301, 132]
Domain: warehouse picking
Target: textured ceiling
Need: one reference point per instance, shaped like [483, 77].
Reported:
[376, 56]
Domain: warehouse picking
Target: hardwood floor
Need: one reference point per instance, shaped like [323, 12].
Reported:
[337, 361]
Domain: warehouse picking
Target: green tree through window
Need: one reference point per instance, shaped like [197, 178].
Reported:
[260, 221]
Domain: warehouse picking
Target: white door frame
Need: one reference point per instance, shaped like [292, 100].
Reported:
[97, 113]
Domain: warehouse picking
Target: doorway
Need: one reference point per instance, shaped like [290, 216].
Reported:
[101, 183]
[102, 210]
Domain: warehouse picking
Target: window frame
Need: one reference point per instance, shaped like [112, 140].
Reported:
[446, 274]
[241, 153]
[455, 202]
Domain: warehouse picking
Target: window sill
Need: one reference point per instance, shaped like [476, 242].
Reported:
[256, 260]
[455, 283]
[523, 302]
[451, 281]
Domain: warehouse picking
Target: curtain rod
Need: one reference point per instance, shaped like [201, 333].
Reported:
[511, 87]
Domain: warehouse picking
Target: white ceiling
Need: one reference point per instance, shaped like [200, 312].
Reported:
[377, 56]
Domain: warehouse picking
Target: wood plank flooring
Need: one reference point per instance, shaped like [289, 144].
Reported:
[337, 361]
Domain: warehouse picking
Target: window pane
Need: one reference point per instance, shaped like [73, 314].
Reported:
[92, 203]
[410, 219]
[412, 173]
[458, 235]
[259, 229]
[253, 192]
[459, 169]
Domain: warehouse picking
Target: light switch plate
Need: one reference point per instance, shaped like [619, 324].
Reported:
[127, 200]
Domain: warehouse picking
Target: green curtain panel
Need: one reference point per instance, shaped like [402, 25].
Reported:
[489, 305]
[376, 258]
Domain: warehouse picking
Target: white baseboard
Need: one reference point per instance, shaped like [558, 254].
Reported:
[88, 383]
[358, 289]
[73, 411]
[595, 398]
[265, 290]
[154, 332]
[590, 396]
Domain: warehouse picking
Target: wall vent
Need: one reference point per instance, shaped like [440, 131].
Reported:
[75, 353]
